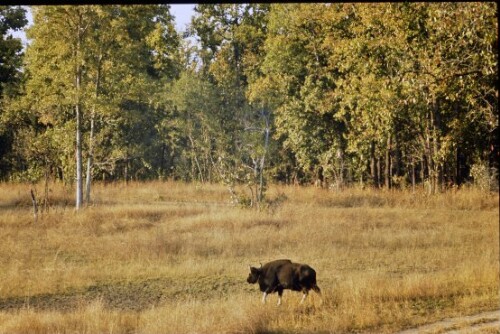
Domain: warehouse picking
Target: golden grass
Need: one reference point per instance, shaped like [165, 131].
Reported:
[172, 258]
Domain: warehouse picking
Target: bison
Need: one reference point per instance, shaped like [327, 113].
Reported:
[279, 275]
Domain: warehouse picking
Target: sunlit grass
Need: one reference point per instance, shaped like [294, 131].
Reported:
[173, 257]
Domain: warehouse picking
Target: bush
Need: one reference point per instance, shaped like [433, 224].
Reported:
[484, 178]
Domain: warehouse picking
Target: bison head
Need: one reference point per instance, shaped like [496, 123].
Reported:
[254, 274]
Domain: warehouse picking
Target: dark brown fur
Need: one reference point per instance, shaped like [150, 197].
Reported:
[280, 275]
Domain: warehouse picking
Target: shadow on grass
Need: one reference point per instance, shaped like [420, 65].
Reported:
[129, 296]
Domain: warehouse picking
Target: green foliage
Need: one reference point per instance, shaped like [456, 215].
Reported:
[231, 38]
[122, 55]
[384, 94]
[11, 19]
[198, 132]
[356, 85]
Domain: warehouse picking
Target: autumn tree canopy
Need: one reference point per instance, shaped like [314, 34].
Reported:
[377, 94]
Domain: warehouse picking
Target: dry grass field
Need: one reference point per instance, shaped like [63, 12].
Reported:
[173, 258]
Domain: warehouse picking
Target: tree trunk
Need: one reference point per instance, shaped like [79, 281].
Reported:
[195, 157]
[90, 160]
[163, 162]
[428, 155]
[78, 111]
[378, 172]
[422, 169]
[46, 192]
[35, 206]
[412, 175]
[373, 164]
[262, 161]
[340, 178]
[396, 161]
[126, 169]
[435, 123]
[432, 149]
[387, 170]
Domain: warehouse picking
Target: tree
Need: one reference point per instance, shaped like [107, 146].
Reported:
[97, 62]
[380, 94]
[11, 19]
[296, 80]
[379, 88]
[231, 37]
[129, 72]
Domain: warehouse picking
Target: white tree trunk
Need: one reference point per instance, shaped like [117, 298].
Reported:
[90, 160]
[78, 112]
[79, 183]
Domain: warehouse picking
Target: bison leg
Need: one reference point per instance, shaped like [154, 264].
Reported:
[264, 295]
[305, 292]
[280, 293]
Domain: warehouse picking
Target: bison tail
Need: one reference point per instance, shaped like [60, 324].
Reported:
[316, 289]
